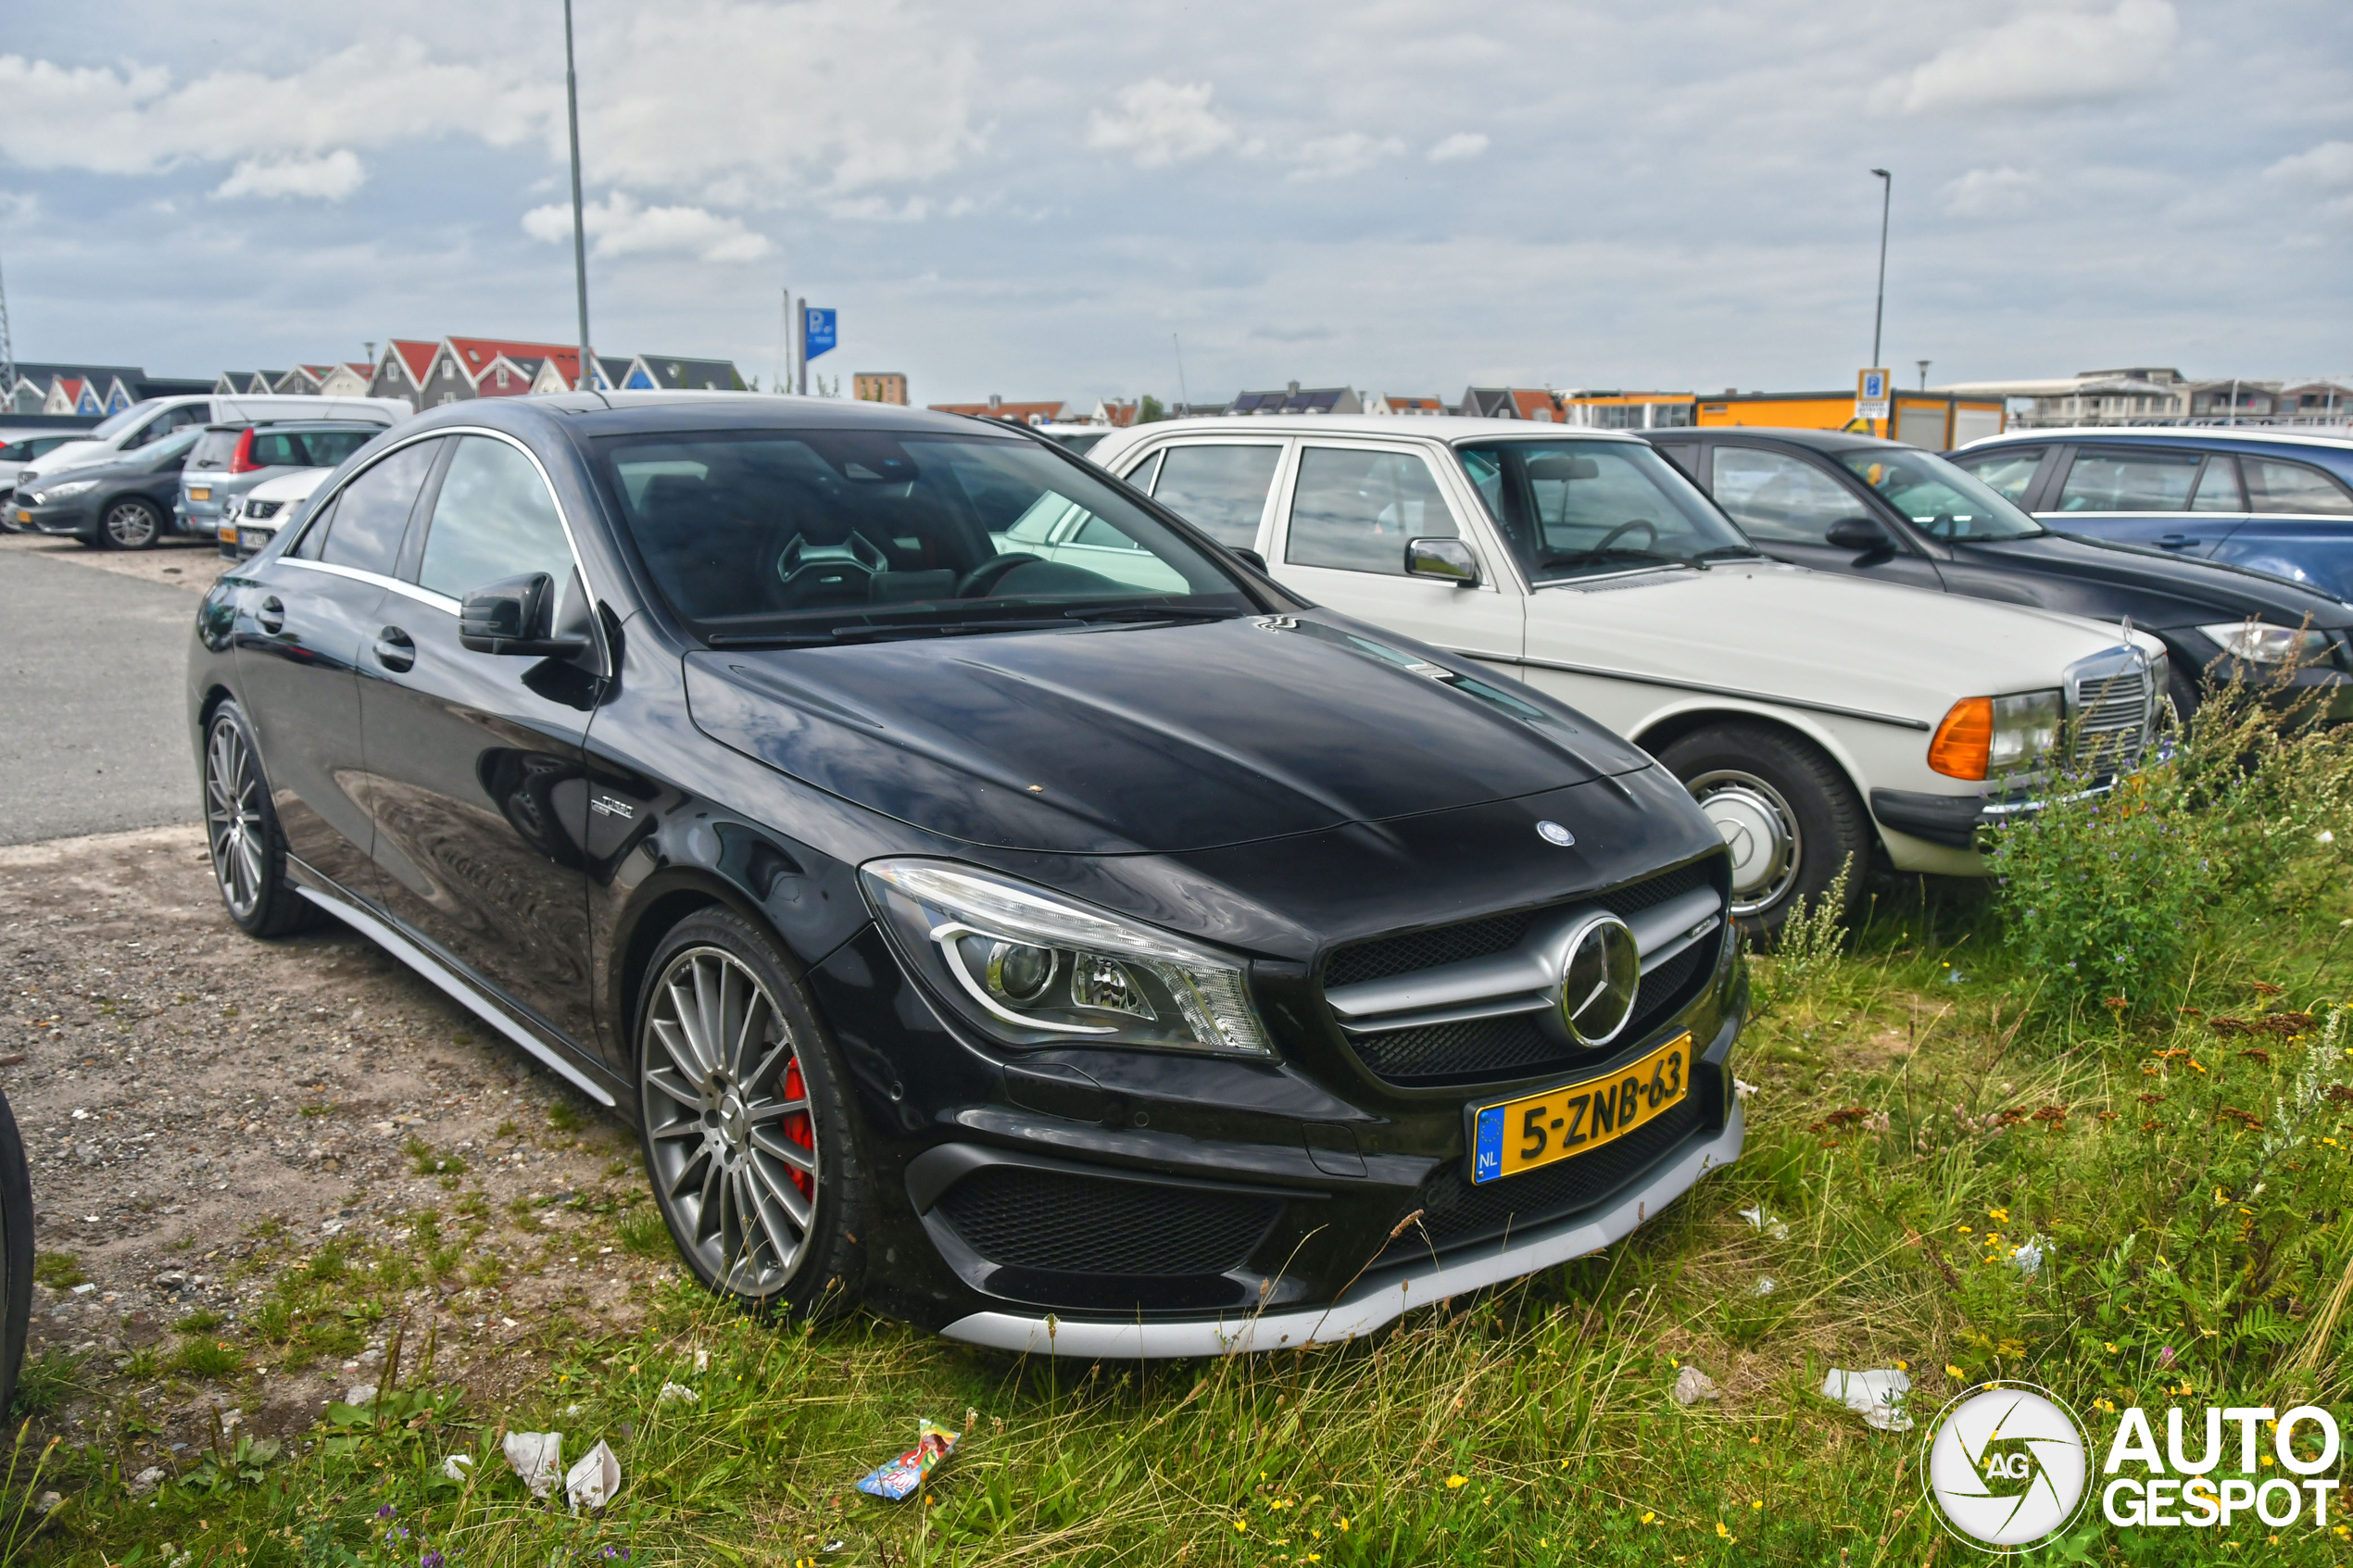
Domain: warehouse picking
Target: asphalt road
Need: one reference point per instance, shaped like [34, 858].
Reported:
[91, 736]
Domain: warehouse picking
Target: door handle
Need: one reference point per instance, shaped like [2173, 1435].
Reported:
[271, 616]
[394, 650]
[2175, 542]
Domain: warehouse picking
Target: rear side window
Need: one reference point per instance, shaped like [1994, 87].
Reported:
[278, 450]
[493, 520]
[2276, 486]
[213, 449]
[325, 448]
[2131, 480]
[371, 514]
[2217, 487]
[1220, 490]
[1778, 498]
[2006, 472]
[17, 452]
[1353, 511]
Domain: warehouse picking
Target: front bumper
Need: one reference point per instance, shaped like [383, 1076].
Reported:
[75, 518]
[1965, 821]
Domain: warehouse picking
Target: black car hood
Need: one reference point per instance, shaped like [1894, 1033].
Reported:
[1158, 738]
[2197, 588]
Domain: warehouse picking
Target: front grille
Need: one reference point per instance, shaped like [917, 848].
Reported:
[1492, 1049]
[259, 510]
[2111, 717]
[1069, 1223]
[1454, 1211]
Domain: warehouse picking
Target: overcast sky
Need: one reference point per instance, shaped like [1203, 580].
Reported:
[1402, 195]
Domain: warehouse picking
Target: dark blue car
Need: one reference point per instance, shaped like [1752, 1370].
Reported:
[2269, 500]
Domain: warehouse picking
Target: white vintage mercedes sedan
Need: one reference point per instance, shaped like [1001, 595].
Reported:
[1816, 719]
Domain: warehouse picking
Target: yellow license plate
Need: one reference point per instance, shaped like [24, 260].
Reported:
[24, 517]
[1519, 1134]
[200, 495]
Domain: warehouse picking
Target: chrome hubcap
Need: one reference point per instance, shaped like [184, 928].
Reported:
[233, 819]
[734, 1147]
[129, 525]
[1758, 827]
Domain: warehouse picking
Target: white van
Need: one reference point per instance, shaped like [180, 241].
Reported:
[157, 417]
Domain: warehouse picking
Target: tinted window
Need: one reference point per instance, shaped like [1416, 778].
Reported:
[17, 452]
[2006, 472]
[371, 512]
[793, 535]
[1220, 490]
[1354, 509]
[276, 450]
[214, 449]
[2217, 487]
[493, 519]
[2275, 486]
[1941, 500]
[1684, 455]
[2129, 482]
[1777, 496]
[1570, 509]
[325, 448]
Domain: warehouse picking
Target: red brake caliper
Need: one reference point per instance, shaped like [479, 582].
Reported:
[797, 1126]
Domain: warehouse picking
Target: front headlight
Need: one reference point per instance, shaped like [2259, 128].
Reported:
[1985, 735]
[2257, 643]
[66, 491]
[1031, 969]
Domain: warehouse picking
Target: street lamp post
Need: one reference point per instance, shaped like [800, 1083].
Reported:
[579, 222]
[1879, 308]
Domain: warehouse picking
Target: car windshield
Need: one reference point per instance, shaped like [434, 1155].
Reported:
[115, 423]
[1942, 501]
[811, 536]
[1573, 508]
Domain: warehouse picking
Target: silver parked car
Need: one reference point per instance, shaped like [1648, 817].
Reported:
[230, 459]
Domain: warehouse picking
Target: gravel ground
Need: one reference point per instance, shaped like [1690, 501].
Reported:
[205, 1114]
[180, 563]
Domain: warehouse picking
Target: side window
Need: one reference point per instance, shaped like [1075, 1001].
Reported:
[314, 536]
[2006, 472]
[2217, 487]
[1778, 498]
[1684, 455]
[371, 512]
[277, 449]
[2129, 481]
[1353, 511]
[493, 519]
[2275, 486]
[17, 452]
[325, 448]
[1142, 475]
[1220, 490]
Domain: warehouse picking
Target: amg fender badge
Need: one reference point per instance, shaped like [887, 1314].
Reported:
[606, 806]
[1552, 833]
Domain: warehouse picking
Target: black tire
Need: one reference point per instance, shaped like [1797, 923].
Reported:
[1787, 811]
[16, 1255]
[240, 831]
[2180, 690]
[765, 1202]
[130, 523]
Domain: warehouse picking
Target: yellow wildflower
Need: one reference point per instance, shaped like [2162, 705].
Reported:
[1956, 1373]
[1999, 1216]
[1454, 1481]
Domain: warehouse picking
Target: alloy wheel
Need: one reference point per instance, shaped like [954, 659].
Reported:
[232, 817]
[131, 525]
[1759, 828]
[734, 1145]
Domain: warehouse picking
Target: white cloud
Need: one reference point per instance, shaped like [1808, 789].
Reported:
[1462, 143]
[1351, 152]
[1161, 124]
[1993, 192]
[2044, 57]
[2328, 165]
[331, 178]
[622, 227]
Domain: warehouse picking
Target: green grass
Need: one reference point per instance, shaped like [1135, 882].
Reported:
[198, 1321]
[44, 1381]
[2184, 1161]
[59, 1270]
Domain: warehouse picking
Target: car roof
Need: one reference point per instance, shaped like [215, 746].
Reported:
[1429, 427]
[2228, 435]
[236, 426]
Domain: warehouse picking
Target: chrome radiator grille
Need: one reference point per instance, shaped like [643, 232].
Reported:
[2111, 714]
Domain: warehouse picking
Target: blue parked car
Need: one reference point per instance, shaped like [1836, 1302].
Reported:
[2265, 499]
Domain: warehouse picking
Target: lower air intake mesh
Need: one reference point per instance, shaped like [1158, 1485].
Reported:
[1077, 1225]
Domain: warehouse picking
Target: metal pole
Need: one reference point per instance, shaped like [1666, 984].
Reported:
[1923, 364]
[1887, 196]
[579, 221]
[783, 341]
[1183, 399]
[800, 337]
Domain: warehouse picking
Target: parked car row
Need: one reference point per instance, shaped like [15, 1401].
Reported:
[1211, 894]
[173, 465]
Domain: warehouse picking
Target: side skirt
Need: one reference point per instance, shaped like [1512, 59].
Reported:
[475, 1001]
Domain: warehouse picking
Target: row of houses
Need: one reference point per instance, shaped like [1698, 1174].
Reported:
[86, 391]
[426, 372]
[2156, 394]
[1488, 402]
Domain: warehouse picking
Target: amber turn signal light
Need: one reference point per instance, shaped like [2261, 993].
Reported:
[1964, 744]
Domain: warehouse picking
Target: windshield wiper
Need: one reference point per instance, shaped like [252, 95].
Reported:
[1150, 612]
[1588, 557]
[871, 633]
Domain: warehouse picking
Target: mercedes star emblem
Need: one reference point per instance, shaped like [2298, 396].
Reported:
[1598, 983]
[1552, 833]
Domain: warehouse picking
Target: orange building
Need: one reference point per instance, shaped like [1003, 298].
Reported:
[1927, 419]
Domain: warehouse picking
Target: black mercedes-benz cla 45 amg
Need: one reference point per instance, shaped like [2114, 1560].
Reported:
[989, 900]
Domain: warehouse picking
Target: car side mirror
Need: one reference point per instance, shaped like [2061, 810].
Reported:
[1450, 560]
[1860, 534]
[1252, 557]
[515, 615]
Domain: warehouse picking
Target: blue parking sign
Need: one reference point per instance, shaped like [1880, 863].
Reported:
[817, 332]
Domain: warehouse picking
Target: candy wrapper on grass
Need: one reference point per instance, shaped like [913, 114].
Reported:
[906, 1473]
